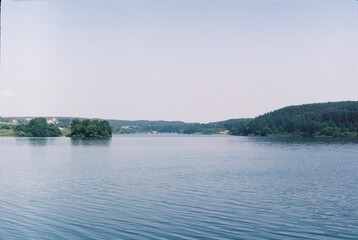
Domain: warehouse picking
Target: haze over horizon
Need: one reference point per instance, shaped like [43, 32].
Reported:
[193, 61]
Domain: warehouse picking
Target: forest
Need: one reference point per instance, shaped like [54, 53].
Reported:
[332, 119]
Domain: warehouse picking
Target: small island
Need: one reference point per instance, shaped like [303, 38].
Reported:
[90, 129]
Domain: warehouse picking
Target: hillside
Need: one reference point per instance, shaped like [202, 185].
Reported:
[333, 119]
[123, 126]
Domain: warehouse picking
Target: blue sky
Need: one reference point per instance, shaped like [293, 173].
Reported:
[175, 60]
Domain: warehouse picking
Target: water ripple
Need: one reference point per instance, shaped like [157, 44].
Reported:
[178, 188]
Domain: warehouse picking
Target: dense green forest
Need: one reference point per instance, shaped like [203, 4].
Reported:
[333, 119]
[37, 127]
[90, 129]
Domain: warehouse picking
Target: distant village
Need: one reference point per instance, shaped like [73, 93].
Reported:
[15, 121]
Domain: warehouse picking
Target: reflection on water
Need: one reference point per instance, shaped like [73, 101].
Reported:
[39, 141]
[303, 140]
[91, 141]
[34, 141]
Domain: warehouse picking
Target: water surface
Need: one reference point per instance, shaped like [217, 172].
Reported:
[178, 187]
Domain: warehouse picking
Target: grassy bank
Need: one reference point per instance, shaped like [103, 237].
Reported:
[7, 133]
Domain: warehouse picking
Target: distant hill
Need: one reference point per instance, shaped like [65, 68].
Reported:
[334, 119]
[172, 126]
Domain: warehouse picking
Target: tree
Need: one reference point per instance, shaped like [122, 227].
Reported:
[90, 129]
[37, 127]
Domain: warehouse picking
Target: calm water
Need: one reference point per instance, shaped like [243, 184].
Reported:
[178, 187]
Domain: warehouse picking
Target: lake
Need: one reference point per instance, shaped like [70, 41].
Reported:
[178, 187]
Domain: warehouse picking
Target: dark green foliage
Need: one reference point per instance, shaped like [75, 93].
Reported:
[192, 128]
[90, 129]
[37, 127]
[334, 119]
[5, 126]
[239, 127]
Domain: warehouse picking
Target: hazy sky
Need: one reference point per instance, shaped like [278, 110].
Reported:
[175, 60]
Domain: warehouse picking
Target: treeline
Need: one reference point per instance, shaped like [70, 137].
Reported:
[90, 129]
[37, 127]
[334, 119]
[147, 126]
[144, 126]
[211, 128]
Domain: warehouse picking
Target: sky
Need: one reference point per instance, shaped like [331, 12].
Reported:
[195, 61]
